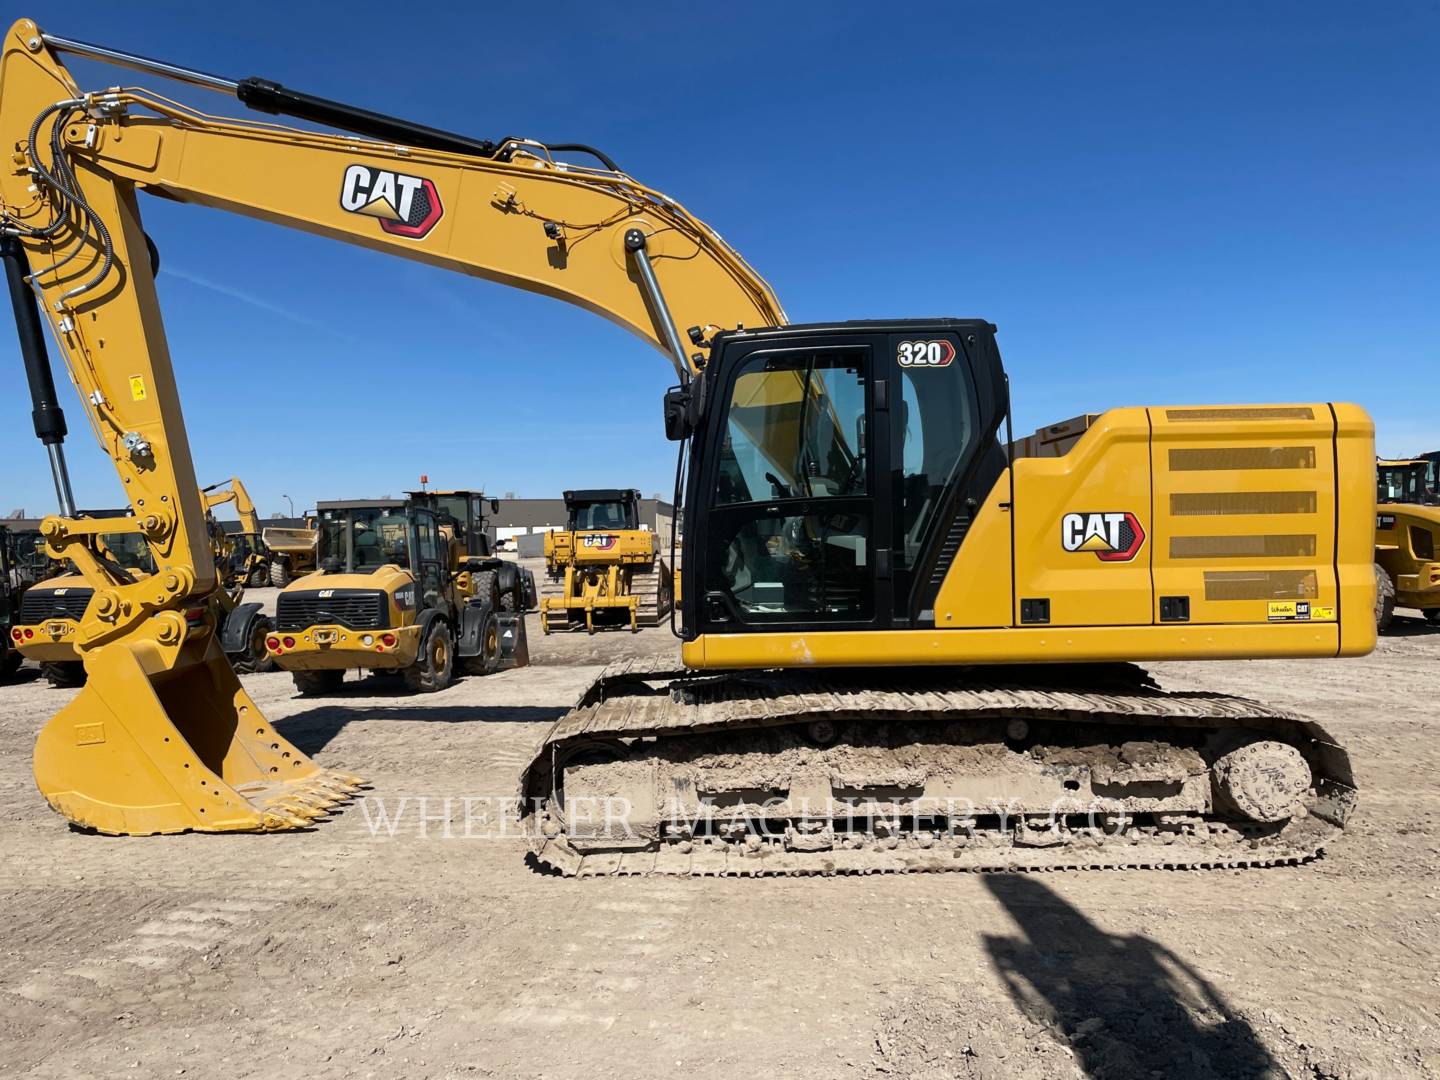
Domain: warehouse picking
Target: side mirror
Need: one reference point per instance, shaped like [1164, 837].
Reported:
[685, 408]
[677, 414]
[494, 506]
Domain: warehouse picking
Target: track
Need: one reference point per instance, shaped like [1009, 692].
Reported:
[658, 771]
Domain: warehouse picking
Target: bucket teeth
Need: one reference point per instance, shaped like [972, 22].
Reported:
[278, 820]
[304, 810]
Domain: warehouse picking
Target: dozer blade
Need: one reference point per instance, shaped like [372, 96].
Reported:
[167, 745]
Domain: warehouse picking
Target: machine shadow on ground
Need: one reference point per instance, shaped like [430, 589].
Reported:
[311, 731]
[1125, 1004]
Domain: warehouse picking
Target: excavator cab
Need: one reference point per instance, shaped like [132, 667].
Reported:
[833, 471]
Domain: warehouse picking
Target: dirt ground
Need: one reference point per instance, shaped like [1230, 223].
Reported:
[346, 951]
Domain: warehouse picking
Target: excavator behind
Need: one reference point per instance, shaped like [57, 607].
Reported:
[247, 560]
[902, 648]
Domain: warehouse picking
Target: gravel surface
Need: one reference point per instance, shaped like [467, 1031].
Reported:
[349, 951]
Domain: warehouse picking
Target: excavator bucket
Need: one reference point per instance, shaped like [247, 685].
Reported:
[154, 747]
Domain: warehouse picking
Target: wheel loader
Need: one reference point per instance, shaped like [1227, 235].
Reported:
[603, 565]
[1407, 535]
[478, 570]
[386, 599]
[47, 621]
[903, 647]
[49, 614]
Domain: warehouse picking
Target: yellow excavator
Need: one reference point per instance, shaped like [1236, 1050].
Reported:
[246, 559]
[902, 648]
[603, 563]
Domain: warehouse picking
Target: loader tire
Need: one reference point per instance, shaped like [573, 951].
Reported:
[256, 658]
[1384, 599]
[487, 589]
[318, 682]
[488, 660]
[434, 667]
[10, 664]
[1432, 615]
[258, 578]
[280, 573]
[64, 674]
[507, 601]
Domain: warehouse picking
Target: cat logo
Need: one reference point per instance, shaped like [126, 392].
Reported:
[404, 205]
[325, 594]
[599, 541]
[1113, 537]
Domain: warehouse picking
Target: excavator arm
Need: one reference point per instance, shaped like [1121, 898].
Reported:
[508, 211]
[216, 495]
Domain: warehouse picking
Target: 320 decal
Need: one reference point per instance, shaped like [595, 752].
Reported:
[1114, 536]
[404, 205]
[934, 354]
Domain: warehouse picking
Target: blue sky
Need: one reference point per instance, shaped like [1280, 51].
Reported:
[1156, 203]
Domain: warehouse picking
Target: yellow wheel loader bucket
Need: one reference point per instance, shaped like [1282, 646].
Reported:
[167, 741]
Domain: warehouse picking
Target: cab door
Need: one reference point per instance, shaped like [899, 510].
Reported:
[428, 567]
[793, 533]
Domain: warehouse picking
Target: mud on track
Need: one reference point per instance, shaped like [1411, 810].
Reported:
[338, 953]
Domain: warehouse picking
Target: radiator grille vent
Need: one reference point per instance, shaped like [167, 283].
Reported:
[355, 609]
[1242, 457]
[38, 605]
[1258, 413]
[1204, 503]
[1242, 547]
[1261, 585]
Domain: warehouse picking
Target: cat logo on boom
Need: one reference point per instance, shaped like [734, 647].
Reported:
[404, 205]
[1113, 537]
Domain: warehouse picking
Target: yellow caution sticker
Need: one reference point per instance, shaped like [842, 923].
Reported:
[137, 388]
[1322, 614]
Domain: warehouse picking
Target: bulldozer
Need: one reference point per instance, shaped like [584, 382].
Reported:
[1407, 533]
[603, 565]
[902, 646]
[386, 598]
